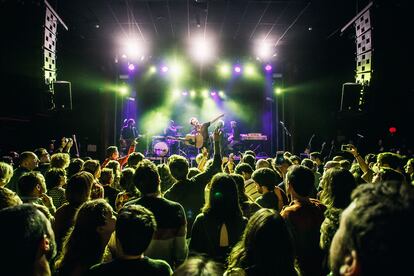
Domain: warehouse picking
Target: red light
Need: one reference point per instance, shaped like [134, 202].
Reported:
[392, 130]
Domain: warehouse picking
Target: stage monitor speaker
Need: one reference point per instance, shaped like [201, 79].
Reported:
[352, 95]
[63, 95]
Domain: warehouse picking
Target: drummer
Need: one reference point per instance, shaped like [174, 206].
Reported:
[171, 129]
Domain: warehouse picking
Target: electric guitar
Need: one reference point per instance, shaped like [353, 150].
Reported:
[195, 140]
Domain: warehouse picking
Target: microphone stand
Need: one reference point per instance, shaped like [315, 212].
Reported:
[286, 131]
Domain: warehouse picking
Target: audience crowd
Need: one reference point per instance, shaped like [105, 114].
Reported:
[284, 215]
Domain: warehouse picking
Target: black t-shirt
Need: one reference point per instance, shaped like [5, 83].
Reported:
[110, 195]
[167, 213]
[144, 266]
[268, 200]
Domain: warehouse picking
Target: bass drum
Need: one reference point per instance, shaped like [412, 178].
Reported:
[160, 149]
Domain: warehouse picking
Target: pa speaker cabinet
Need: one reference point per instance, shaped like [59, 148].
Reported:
[63, 95]
[352, 97]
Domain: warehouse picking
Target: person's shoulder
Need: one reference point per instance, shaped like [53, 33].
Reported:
[103, 269]
[160, 266]
[132, 202]
[317, 203]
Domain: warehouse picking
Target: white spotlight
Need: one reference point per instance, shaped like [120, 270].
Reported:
[134, 48]
[264, 50]
[202, 49]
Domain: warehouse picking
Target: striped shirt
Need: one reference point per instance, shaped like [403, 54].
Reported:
[250, 189]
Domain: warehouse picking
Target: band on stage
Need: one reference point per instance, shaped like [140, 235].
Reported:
[172, 141]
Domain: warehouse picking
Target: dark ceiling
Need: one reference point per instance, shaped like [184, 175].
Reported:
[163, 21]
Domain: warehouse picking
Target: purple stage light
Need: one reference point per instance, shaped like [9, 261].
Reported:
[268, 67]
[131, 67]
[164, 69]
[237, 69]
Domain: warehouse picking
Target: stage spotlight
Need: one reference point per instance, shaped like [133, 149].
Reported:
[134, 48]
[278, 90]
[221, 94]
[153, 69]
[123, 90]
[225, 70]
[204, 93]
[249, 70]
[131, 67]
[268, 67]
[213, 93]
[202, 49]
[192, 93]
[264, 50]
[176, 69]
[237, 69]
[164, 69]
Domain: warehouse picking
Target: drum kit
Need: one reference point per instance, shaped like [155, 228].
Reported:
[163, 146]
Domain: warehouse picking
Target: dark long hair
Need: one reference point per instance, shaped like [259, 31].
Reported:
[265, 229]
[83, 245]
[223, 200]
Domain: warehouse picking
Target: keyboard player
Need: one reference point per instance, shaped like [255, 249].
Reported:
[234, 138]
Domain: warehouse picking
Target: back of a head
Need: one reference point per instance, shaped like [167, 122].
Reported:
[262, 163]
[107, 176]
[127, 179]
[223, 198]
[6, 173]
[8, 198]
[26, 227]
[378, 226]
[243, 168]
[91, 215]
[250, 152]
[337, 186]
[393, 160]
[308, 163]
[301, 179]
[389, 174]
[265, 229]
[53, 177]
[345, 164]
[295, 159]
[114, 166]
[266, 177]
[146, 178]
[249, 159]
[134, 158]
[178, 166]
[315, 155]
[78, 188]
[91, 166]
[110, 150]
[135, 227]
[199, 266]
[60, 160]
[75, 166]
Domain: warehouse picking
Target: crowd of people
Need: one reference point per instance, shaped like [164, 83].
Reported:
[284, 215]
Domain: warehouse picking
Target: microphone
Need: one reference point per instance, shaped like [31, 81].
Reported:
[282, 123]
[360, 136]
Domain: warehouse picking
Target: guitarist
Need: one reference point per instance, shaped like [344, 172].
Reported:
[128, 134]
[203, 129]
